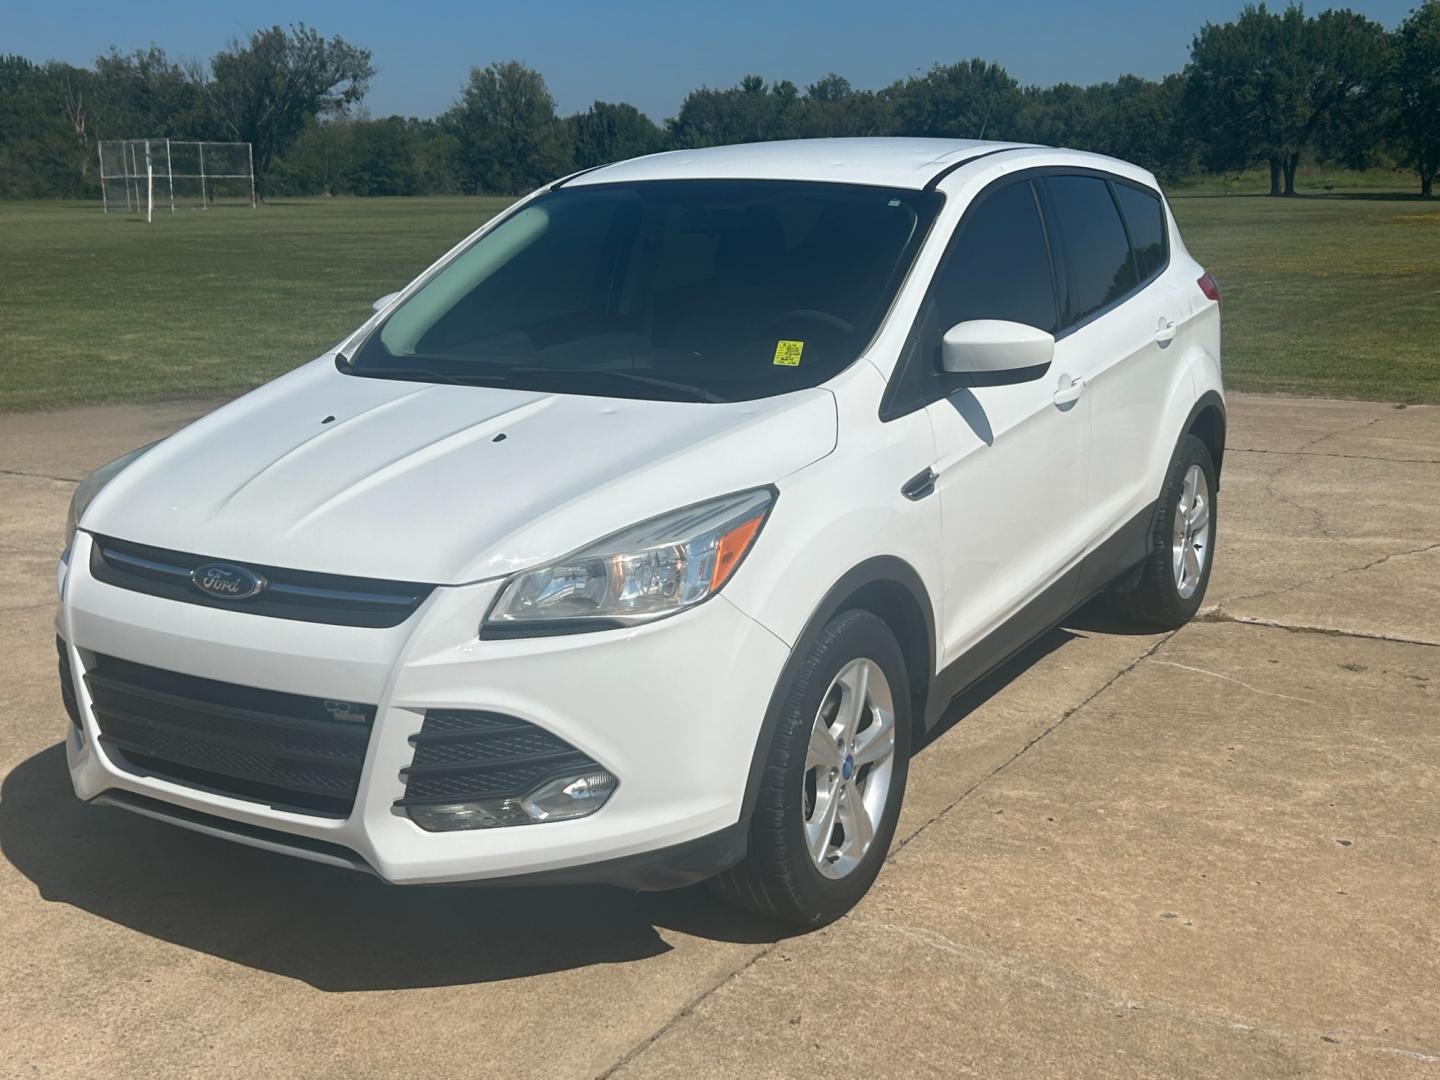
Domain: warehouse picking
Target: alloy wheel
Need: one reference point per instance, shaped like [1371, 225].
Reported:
[1190, 542]
[848, 767]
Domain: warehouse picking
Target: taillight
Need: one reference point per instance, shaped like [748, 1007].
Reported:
[1209, 288]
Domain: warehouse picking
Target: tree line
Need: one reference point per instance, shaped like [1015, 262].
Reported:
[1271, 88]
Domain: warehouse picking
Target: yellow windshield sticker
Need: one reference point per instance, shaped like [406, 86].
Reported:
[787, 353]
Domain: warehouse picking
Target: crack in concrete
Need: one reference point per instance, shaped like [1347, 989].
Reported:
[1346, 457]
[685, 1010]
[1317, 516]
[1066, 715]
[992, 963]
[1343, 431]
[39, 476]
[1218, 614]
[1268, 593]
[1237, 682]
[695, 1002]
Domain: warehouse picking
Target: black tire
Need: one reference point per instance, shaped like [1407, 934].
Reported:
[778, 877]
[1152, 597]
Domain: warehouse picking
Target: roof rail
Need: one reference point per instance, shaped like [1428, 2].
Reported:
[935, 180]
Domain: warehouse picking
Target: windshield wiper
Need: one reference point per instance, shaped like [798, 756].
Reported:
[689, 390]
[510, 375]
[412, 374]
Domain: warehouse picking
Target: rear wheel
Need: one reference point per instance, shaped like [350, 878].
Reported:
[1172, 580]
[830, 794]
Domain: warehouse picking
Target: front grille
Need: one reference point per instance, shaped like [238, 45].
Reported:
[288, 594]
[286, 750]
[462, 756]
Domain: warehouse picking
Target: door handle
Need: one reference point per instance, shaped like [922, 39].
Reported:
[1067, 394]
[1166, 333]
[919, 485]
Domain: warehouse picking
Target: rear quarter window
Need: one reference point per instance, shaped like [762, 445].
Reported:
[1145, 217]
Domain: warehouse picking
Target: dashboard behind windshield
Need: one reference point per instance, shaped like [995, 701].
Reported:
[713, 290]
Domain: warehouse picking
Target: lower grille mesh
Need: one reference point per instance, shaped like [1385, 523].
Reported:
[462, 756]
[283, 749]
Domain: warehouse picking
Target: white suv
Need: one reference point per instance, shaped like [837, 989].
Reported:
[640, 537]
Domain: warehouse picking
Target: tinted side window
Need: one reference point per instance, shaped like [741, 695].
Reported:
[999, 266]
[1145, 215]
[1093, 246]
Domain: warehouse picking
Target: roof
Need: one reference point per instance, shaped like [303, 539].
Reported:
[900, 163]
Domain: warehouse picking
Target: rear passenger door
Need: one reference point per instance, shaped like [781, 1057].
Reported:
[1110, 239]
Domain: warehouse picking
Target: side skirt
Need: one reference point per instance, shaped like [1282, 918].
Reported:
[1125, 548]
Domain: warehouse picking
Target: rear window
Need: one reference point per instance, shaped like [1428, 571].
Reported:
[1094, 250]
[1145, 216]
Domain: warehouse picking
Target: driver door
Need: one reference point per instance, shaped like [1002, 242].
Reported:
[1012, 460]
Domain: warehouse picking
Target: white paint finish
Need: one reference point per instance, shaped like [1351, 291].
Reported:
[1013, 467]
[843, 510]
[408, 482]
[902, 163]
[682, 757]
[992, 345]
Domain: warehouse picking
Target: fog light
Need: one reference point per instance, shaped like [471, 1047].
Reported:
[561, 799]
[483, 814]
[570, 796]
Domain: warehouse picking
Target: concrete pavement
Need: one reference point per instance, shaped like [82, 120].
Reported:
[1213, 853]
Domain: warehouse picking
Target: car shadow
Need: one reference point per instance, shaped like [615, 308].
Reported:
[334, 929]
[977, 694]
[1097, 617]
[338, 930]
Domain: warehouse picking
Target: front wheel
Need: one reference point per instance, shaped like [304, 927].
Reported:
[1172, 580]
[830, 793]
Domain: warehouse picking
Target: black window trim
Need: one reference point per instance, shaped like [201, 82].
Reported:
[895, 403]
[1164, 264]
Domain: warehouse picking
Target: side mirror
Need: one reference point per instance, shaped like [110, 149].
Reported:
[384, 301]
[991, 352]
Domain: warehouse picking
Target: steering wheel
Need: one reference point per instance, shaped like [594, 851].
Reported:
[825, 317]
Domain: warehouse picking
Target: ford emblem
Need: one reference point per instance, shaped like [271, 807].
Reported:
[226, 582]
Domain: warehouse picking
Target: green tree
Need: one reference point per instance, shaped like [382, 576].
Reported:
[832, 108]
[1416, 73]
[146, 95]
[438, 169]
[1272, 86]
[612, 132]
[318, 162]
[974, 99]
[509, 138]
[46, 129]
[382, 158]
[264, 91]
[749, 112]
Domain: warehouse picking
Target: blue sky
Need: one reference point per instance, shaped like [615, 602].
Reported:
[651, 53]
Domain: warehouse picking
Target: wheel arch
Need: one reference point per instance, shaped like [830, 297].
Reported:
[890, 589]
[1207, 423]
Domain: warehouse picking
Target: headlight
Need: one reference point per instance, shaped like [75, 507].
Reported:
[87, 489]
[642, 573]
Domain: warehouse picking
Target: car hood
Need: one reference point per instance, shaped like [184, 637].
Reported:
[440, 483]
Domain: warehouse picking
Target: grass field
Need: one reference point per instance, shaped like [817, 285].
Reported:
[1332, 295]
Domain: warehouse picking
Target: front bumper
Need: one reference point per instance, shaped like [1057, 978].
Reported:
[673, 709]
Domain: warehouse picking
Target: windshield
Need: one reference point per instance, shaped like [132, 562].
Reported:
[713, 290]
